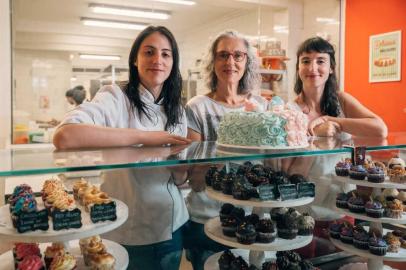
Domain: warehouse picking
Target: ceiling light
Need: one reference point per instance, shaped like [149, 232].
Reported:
[181, 2]
[130, 11]
[113, 24]
[99, 57]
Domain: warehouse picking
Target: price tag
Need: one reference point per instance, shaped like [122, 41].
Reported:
[288, 191]
[66, 219]
[306, 189]
[266, 192]
[37, 220]
[103, 212]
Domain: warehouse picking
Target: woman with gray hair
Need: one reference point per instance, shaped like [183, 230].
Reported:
[232, 77]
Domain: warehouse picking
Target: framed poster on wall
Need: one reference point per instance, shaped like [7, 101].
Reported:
[385, 57]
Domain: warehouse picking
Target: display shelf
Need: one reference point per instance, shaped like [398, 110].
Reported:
[213, 230]
[219, 196]
[9, 233]
[377, 220]
[366, 183]
[212, 262]
[390, 256]
[118, 251]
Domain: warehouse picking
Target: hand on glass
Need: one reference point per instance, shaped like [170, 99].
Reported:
[322, 127]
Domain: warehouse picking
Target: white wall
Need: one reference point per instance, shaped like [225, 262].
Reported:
[5, 74]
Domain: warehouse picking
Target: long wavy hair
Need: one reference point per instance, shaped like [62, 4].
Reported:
[251, 78]
[329, 103]
[170, 96]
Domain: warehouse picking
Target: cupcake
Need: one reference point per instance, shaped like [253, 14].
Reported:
[361, 237]
[397, 174]
[297, 178]
[403, 241]
[225, 211]
[252, 218]
[246, 233]
[356, 204]
[240, 190]
[375, 175]
[265, 231]
[402, 197]
[343, 167]
[396, 162]
[227, 183]
[225, 260]
[377, 246]
[104, 261]
[287, 226]
[374, 209]
[238, 263]
[394, 209]
[347, 233]
[22, 250]
[56, 249]
[393, 242]
[209, 175]
[342, 199]
[305, 224]
[217, 180]
[230, 224]
[31, 262]
[358, 172]
[277, 213]
[270, 265]
[335, 229]
[63, 262]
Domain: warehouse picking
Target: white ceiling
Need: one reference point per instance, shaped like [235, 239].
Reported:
[55, 24]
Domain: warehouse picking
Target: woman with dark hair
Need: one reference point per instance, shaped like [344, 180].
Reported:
[330, 111]
[232, 77]
[146, 111]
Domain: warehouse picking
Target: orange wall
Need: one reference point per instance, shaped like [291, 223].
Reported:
[371, 17]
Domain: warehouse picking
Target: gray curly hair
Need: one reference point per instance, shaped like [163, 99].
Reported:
[251, 78]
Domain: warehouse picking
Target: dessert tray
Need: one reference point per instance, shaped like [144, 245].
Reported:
[9, 233]
[119, 253]
[213, 230]
[219, 196]
[366, 183]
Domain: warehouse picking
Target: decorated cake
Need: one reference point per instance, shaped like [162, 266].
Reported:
[281, 126]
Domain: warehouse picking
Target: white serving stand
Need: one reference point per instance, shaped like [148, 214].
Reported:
[212, 262]
[256, 251]
[9, 233]
[219, 196]
[118, 251]
[374, 262]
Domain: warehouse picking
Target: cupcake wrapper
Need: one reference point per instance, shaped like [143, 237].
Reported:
[374, 213]
[380, 251]
[229, 231]
[393, 248]
[357, 175]
[397, 214]
[246, 239]
[287, 233]
[376, 178]
[265, 237]
[342, 172]
[342, 204]
[360, 244]
[356, 208]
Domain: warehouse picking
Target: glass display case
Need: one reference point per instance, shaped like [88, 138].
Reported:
[318, 159]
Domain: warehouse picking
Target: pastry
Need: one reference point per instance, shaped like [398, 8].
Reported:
[342, 168]
[305, 224]
[392, 241]
[375, 175]
[246, 233]
[225, 260]
[361, 237]
[22, 250]
[374, 209]
[377, 246]
[104, 261]
[358, 172]
[265, 231]
[225, 211]
[347, 233]
[63, 262]
[287, 226]
[31, 262]
[342, 200]
[356, 204]
[56, 249]
[394, 209]
[227, 183]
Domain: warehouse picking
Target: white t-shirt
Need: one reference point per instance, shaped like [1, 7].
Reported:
[204, 115]
[156, 206]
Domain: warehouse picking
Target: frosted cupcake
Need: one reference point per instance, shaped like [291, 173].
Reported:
[358, 172]
[342, 168]
[375, 175]
[394, 209]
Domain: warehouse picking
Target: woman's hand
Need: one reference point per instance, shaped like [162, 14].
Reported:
[323, 127]
[159, 138]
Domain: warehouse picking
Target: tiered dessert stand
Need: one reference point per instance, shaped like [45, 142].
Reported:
[257, 251]
[9, 233]
[374, 262]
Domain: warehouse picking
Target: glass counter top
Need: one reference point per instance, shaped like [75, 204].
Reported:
[26, 161]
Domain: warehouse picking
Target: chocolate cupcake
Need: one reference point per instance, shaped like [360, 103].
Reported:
[246, 233]
[358, 172]
[265, 231]
[225, 211]
[356, 204]
[342, 200]
[225, 260]
[209, 175]
[335, 229]
[375, 175]
[342, 168]
[347, 233]
[305, 224]
[374, 209]
[216, 181]
[238, 263]
[240, 189]
[287, 226]
[377, 246]
[230, 224]
[296, 179]
[253, 219]
[278, 212]
[227, 183]
[361, 237]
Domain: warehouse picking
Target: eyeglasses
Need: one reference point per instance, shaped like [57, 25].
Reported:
[237, 56]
